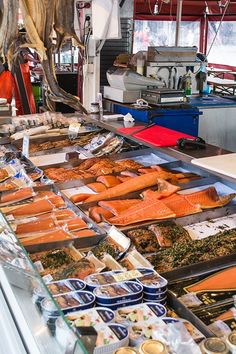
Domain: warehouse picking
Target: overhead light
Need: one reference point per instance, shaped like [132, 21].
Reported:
[156, 8]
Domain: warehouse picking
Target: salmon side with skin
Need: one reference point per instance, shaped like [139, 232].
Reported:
[133, 185]
[117, 206]
[225, 279]
[32, 209]
[180, 205]
[98, 214]
[209, 198]
[54, 236]
[19, 195]
[97, 187]
[109, 181]
[164, 189]
[146, 210]
[84, 233]
[35, 226]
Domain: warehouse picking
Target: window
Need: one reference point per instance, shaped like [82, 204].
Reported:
[162, 33]
[223, 50]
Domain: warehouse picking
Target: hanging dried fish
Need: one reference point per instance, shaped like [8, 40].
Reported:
[64, 22]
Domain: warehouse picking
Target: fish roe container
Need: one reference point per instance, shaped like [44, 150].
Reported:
[122, 304]
[152, 346]
[65, 286]
[98, 279]
[153, 283]
[110, 338]
[74, 301]
[214, 345]
[90, 317]
[231, 342]
[155, 297]
[113, 294]
[147, 313]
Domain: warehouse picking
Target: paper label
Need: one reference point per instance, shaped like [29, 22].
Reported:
[10, 217]
[132, 274]
[25, 146]
[74, 127]
[47, 278]
[39, 266]
[190, 300]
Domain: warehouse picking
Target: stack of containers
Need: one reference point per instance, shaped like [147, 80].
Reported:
[154, 288]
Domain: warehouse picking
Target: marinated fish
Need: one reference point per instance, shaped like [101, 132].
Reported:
[144, 240]
[117, 206]
[167, 233]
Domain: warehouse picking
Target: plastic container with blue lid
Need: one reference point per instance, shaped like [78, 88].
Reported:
[114, 307]
[162, 302]
[155, 297]
[99, 279]
[115, 293]
[90, 317]
[146, 312]
[76, 300]
[153, 283]
[110, 337]
[66, 286]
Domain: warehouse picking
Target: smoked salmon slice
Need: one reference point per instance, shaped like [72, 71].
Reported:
[17, 196]
[98, 214]
[117, 206]
[74, 224]
[97, 187]
[54, 236]
[32, 209]
[133, 185]
[224, 280]
[164, 189]
[77, 198]
[59, 215]
[144, 211]
[124, 178]
[180, 205]
[226, 315]
[55, 199]
[109, 181]
[146, 170]
[209, 198]
[84, 233]
[44, 195]
[35, 226]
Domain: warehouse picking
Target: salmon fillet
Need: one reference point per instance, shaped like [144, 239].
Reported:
[53, 236]
[145, 210]
[97, 187]
[55, 199]
[223, 280]
[35, 226]
[124, 178]
[44, 195]
[135, 184]
[32, 209]
[98, 214]
[84, 233]
[109, 181]
[77, 198]
[180, 205]
[146, 170]
[17, 196]
[59, 214]
[74, 224]
[209, 198]
[117, 206]
[164, 189]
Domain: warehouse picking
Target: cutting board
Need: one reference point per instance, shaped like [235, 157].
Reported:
[224, 164]
[160, 136]
[131, 130]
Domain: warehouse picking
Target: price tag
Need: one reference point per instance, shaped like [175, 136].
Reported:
[39, 266]
[25, 147]
[132, 274]
[74, 127]
[190, 300]
[47, 278]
